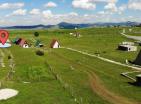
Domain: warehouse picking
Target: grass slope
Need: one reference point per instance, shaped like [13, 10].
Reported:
[62, 76]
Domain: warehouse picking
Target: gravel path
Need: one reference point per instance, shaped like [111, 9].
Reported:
[137, 38]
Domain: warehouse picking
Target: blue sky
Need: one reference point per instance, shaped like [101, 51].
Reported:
[31, 12]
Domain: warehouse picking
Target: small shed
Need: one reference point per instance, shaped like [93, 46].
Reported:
[127, 48]
[138, 79]
[23, 43]
[54, 44]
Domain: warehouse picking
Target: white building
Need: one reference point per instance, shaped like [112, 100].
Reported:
[127, 48]
[127, 43]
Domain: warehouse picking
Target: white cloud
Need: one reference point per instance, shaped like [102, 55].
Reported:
[101, 12]
[73, 14]
[35, 11]
[106, 1]
[11, 5]
[47, 17]
[50, 18]
[122, 8]
[84, 4]
[90, 4]
[47, 14]
[134, 4]
[50, 4]
[19, 12]
[111, 6]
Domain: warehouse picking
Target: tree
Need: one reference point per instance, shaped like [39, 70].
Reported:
[40, 53]
[36, 34]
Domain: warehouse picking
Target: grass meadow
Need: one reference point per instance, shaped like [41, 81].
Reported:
[62, 76]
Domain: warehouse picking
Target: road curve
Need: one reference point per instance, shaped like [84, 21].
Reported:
[137, 38]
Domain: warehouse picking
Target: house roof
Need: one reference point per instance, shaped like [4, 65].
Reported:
[23, 41]
[128, 46]
[53, 42]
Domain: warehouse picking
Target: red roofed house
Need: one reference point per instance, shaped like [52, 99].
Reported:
[54, 44]
[23, 43]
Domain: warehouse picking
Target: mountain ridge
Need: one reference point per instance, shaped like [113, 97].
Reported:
[65, 25]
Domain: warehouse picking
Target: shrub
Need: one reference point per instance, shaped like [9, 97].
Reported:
[9, 57]
[40, 53]
[36, 34]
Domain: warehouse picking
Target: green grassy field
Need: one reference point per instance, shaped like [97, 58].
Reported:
[62, 76]
[134, 31]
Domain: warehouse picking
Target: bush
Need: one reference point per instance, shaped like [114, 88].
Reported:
[36, 34]
[9, 57]
[40, 53]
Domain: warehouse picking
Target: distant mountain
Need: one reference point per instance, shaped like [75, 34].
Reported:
[65, 25]
[117, 24]
[29, 27]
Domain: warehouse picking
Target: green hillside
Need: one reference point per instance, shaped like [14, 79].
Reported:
[63, 76]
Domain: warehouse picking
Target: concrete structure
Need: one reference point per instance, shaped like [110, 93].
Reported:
[127, 43]
[127, 47]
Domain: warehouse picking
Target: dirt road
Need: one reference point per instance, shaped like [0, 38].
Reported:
[105, 93]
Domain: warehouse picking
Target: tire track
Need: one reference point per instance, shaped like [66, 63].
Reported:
[106, 94]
